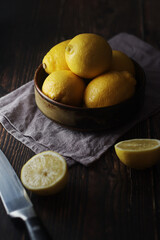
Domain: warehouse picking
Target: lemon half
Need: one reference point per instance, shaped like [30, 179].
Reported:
[138, 153]
[45, 173]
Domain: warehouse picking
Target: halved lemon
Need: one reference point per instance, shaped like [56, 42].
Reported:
[138, 153]
[45, 173]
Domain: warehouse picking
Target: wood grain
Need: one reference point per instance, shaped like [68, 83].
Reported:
[106, 200]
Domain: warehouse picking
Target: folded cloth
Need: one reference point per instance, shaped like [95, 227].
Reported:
[20, 116]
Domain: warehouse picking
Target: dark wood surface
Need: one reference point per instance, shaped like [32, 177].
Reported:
[107, 200]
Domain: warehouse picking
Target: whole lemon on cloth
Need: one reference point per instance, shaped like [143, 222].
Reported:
[65, 87]
[55, 58]
[109, 89]
[138, 153]
[88, 55]
[45, 173]
[121, 62]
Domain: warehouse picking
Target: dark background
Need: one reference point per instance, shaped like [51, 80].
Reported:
[30, 28]
[107, 200]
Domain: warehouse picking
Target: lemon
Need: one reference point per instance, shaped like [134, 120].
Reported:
[109, 89]
[88, 55]
[55, 58]
[138, 153]
[121, 62]
[65, 87]
[45, 173]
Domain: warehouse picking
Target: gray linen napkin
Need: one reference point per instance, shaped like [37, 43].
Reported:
[21, 117]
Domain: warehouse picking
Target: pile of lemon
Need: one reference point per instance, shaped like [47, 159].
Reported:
[85, 71]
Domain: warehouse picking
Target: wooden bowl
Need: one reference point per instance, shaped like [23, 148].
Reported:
[82, 118]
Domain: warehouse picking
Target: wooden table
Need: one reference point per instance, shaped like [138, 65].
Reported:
[107, 200]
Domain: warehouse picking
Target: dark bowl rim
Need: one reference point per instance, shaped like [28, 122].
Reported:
[70, 107]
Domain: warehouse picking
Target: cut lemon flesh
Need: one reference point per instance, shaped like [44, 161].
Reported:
[45, 173]
[138, 153]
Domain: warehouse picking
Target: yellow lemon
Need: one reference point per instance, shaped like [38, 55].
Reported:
[121, 62]
[55, 58]
[88, 55]
[65, 87]
[109, 89]
[138, 153]
[45, 173]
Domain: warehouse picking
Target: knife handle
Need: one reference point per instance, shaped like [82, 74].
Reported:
[36, 230]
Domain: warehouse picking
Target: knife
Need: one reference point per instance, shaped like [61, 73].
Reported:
[17, 202]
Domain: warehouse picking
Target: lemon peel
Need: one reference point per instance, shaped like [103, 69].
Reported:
[109, 89]
[121, 62]
[55, 58]
[65, 87]
[88, 55]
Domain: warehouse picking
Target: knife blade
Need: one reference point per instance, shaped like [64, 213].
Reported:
[17, 202]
